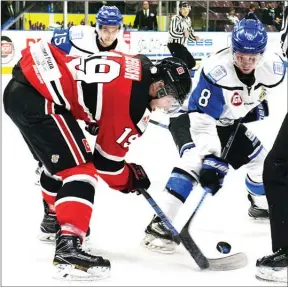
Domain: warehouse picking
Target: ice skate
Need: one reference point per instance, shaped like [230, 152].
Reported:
[273, 267]
[158, 237]
[71, 262]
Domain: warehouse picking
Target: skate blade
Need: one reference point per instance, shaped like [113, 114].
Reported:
[50, 237]
[158, 245]
[269, 275]
[67, 272]
[47, 237]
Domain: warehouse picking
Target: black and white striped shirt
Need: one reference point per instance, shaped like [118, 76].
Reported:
[284, 31]
[178, 26]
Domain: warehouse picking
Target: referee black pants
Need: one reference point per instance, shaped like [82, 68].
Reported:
[181, 52]
[275, 178]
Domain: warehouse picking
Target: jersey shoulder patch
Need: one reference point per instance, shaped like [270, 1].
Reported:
[278, 68]
[217, 73]
[78, 34]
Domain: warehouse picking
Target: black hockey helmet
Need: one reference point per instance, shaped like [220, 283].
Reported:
[175, 75]
[184, 4]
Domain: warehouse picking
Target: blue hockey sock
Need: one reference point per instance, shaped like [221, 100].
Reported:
[180, 184]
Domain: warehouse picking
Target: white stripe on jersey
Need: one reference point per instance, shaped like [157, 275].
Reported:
[81, 100]
[99, 96]
[108, 156]
[67, 140]
[73, 198]
[111, 172]
[60, 91]
[55, 98]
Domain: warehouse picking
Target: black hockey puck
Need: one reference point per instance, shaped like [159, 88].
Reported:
[223, 247]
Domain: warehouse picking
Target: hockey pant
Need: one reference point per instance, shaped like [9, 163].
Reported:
[246, 150]
[58, 141]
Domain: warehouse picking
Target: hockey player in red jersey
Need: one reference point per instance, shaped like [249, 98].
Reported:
[48, 93]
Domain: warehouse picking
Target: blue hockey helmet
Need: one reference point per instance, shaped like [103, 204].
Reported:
[109, 16]
[249, 37]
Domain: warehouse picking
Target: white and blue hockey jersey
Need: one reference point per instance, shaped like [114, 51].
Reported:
[83, 40]
[220, 97]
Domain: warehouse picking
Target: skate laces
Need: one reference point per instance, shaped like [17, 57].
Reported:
[84, 252]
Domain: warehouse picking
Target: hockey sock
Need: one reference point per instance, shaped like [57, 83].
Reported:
[49, 188]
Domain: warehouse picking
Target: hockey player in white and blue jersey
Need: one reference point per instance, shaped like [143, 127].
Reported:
[233, 84]
[80, 41]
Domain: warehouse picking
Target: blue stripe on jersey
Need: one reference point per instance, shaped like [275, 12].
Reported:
[61, 40]
[207, 98]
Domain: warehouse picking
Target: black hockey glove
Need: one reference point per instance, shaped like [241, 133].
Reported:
[137, 178]
[213, 172]
[258, 113]
[92, 128]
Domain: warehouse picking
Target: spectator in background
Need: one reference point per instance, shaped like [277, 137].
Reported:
[232, 17]
[145, 19]
[251, 13]
[278, 16]
[268, 17]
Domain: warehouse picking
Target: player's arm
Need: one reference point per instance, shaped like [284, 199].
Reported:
[111, 163]
[206, 106]
[61, 40]
[258, 113]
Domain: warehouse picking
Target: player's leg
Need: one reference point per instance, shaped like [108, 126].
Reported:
[275, 177]
[247, 150]
[60, 144]
[180, 184]
[39, 167]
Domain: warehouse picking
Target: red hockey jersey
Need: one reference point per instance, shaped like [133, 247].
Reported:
[110, 88]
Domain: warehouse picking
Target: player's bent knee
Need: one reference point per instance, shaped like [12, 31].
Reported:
[84, 172]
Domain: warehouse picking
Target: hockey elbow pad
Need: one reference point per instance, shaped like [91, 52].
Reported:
[258, 113]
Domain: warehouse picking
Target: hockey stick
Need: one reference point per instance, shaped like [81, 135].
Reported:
[158, 124]
[231, 262]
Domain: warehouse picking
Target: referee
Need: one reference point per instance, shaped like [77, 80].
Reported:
[275, 177]
[180, 31]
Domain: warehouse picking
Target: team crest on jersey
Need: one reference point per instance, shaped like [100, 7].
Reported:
[236, 100]
[180, 70]
[86, 145]
[55, 158]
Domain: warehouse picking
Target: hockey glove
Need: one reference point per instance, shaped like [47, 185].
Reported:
[92, 128]
[213, 172]
[258, 113]
[137, 178]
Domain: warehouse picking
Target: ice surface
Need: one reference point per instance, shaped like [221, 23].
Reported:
[119, 220]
